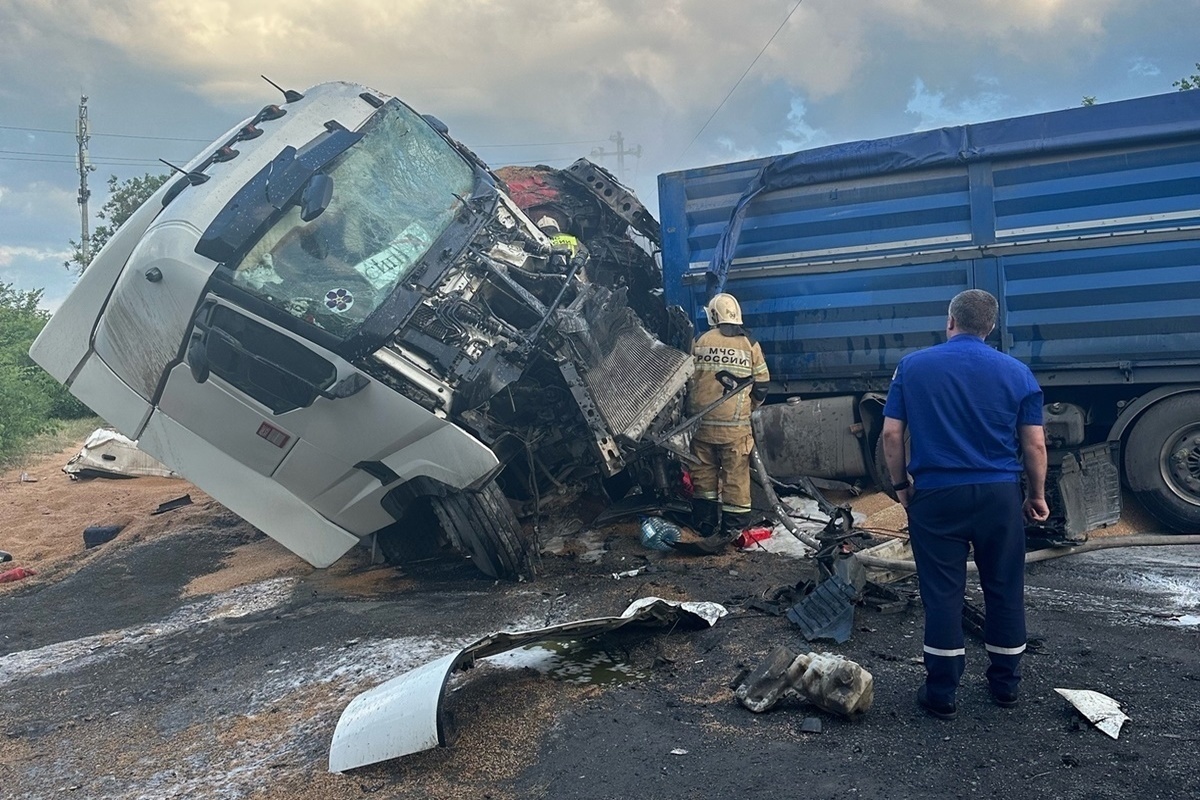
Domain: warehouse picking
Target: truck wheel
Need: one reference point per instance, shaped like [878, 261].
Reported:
[1164, 452]
[482, 525]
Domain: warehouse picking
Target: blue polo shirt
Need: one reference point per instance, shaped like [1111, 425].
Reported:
[962, 402]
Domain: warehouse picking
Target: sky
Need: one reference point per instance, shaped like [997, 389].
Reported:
[679, 83]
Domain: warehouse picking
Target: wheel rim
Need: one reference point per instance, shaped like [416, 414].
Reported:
[1179, 463]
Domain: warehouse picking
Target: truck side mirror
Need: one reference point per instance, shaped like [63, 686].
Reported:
[315, 196]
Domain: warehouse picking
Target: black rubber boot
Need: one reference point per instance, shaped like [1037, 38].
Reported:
[734, 524]
[706, 515]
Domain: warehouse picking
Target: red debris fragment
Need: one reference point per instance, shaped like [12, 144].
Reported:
[15, 574]
[752, 535]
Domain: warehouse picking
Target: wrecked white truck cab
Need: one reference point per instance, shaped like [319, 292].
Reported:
[338, 324]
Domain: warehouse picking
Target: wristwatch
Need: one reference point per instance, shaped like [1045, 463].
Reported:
[902, 485]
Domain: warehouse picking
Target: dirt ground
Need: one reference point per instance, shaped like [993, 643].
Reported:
[194, 657]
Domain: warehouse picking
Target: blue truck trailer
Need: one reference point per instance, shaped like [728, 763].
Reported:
[1085, 223]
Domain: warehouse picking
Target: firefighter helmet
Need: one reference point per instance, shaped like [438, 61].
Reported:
[723, 309]
[549, 225]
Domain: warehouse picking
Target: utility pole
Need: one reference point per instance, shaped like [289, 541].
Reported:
[82, 136]
[621, 152]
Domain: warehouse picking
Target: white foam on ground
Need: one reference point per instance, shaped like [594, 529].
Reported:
[91, 650]
[1156, 584]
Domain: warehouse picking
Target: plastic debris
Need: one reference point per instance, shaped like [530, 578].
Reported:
[679, 751]
[750, 536]
[95, 535]
[4, 556]
[405, 714]
[830, 682]
[16, 574]
[810, 725]
[658, 533]
[629, 573]
[1099, 709]
[108, 454]
[826, 613]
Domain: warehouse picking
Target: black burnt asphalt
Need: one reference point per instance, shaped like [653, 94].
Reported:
[115, 684]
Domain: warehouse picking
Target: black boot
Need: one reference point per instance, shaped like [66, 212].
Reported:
[705, 516]
[733, 524]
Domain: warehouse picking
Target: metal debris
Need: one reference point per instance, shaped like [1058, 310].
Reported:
[171, 505]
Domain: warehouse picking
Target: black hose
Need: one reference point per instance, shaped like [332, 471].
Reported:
[778, 510]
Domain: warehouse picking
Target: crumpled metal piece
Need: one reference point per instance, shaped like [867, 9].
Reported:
[1099, 709]
[404, 715]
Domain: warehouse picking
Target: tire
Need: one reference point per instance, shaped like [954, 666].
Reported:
[1163, 452]
[483, 527]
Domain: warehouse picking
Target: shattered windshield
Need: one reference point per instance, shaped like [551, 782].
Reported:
[394, 193]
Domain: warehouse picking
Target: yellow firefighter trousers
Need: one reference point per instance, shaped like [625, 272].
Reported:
[723, 473]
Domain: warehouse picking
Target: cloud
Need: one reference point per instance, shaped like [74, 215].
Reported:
[36, 199]
[801, 135]
[37, 268]
[933, 110]
[10, 255]
[1144, 68]
[572, 73]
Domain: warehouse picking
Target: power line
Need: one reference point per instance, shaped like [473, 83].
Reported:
[71, 160]
[739, 83]
[69, 156]
[109, 135]
[209, 141]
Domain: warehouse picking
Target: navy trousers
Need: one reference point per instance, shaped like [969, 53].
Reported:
[944, 523]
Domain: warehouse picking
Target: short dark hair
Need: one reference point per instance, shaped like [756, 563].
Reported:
[974, 311]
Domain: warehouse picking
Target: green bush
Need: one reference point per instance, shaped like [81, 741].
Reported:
[31, 401]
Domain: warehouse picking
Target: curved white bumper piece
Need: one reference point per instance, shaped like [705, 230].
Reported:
[404, 715]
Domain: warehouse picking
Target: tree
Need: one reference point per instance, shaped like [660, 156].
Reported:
[30, 400]
[1190, 82]
[124, 197]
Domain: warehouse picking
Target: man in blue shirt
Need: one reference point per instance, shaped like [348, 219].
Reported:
[974, 416]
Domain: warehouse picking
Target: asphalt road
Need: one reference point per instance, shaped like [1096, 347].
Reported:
[114, 683]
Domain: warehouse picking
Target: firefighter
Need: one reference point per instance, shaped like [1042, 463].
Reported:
[723, 440]
[565, 248]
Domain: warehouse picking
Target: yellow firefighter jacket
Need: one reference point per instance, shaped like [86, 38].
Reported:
[741, 356]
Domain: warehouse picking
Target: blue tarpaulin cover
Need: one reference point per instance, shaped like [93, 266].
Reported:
[1123, 123]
